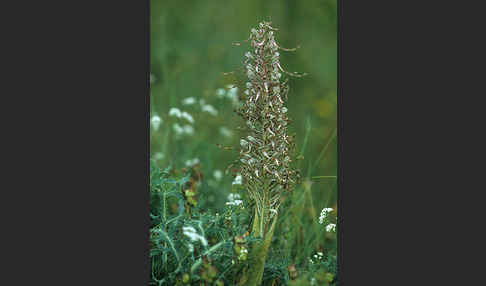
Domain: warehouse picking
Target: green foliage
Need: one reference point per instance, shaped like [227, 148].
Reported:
[176, 259]
[222, 260]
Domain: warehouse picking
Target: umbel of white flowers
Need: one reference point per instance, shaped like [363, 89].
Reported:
[324, 213]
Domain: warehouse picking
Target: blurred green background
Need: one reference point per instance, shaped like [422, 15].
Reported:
[191, 47]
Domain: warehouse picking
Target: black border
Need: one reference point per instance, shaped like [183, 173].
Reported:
[77, 172]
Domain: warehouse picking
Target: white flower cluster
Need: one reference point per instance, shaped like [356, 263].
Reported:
[234, 200]
[190, 232]
[181, 114]
[189, 101]
[316, 257]
[324, 213]
[225, 131]
[207, 108]
[330, 227]
[182, 129]
[158, 156]
[218, 175]
[190, 163]
[220, 92]
[155, 121]
[238, 180]
[231, 93]
[204, 107]
[186, 129]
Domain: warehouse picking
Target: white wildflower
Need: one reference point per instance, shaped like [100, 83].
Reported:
[188, 129]
[331, 227]
[237, 180]
[210, 109]
[175, 112]
[225, 131]
[178, 129]
[158, 156]
[190, 232]
[284, 109]
[232, 92]
[235, 203]
[324, 213]
[232, 196]
[156, 121]
[192, 162]
[189, 101]
[234, 200]
[187, 116]
[218, 175]
[220, 92]
[191, 247]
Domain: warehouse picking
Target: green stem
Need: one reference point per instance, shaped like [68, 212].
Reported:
[207, 252]
[316, 163]
[324, 177]
[164, 218]
[258, 255]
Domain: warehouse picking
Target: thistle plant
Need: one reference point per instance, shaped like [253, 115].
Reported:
[266, 151]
